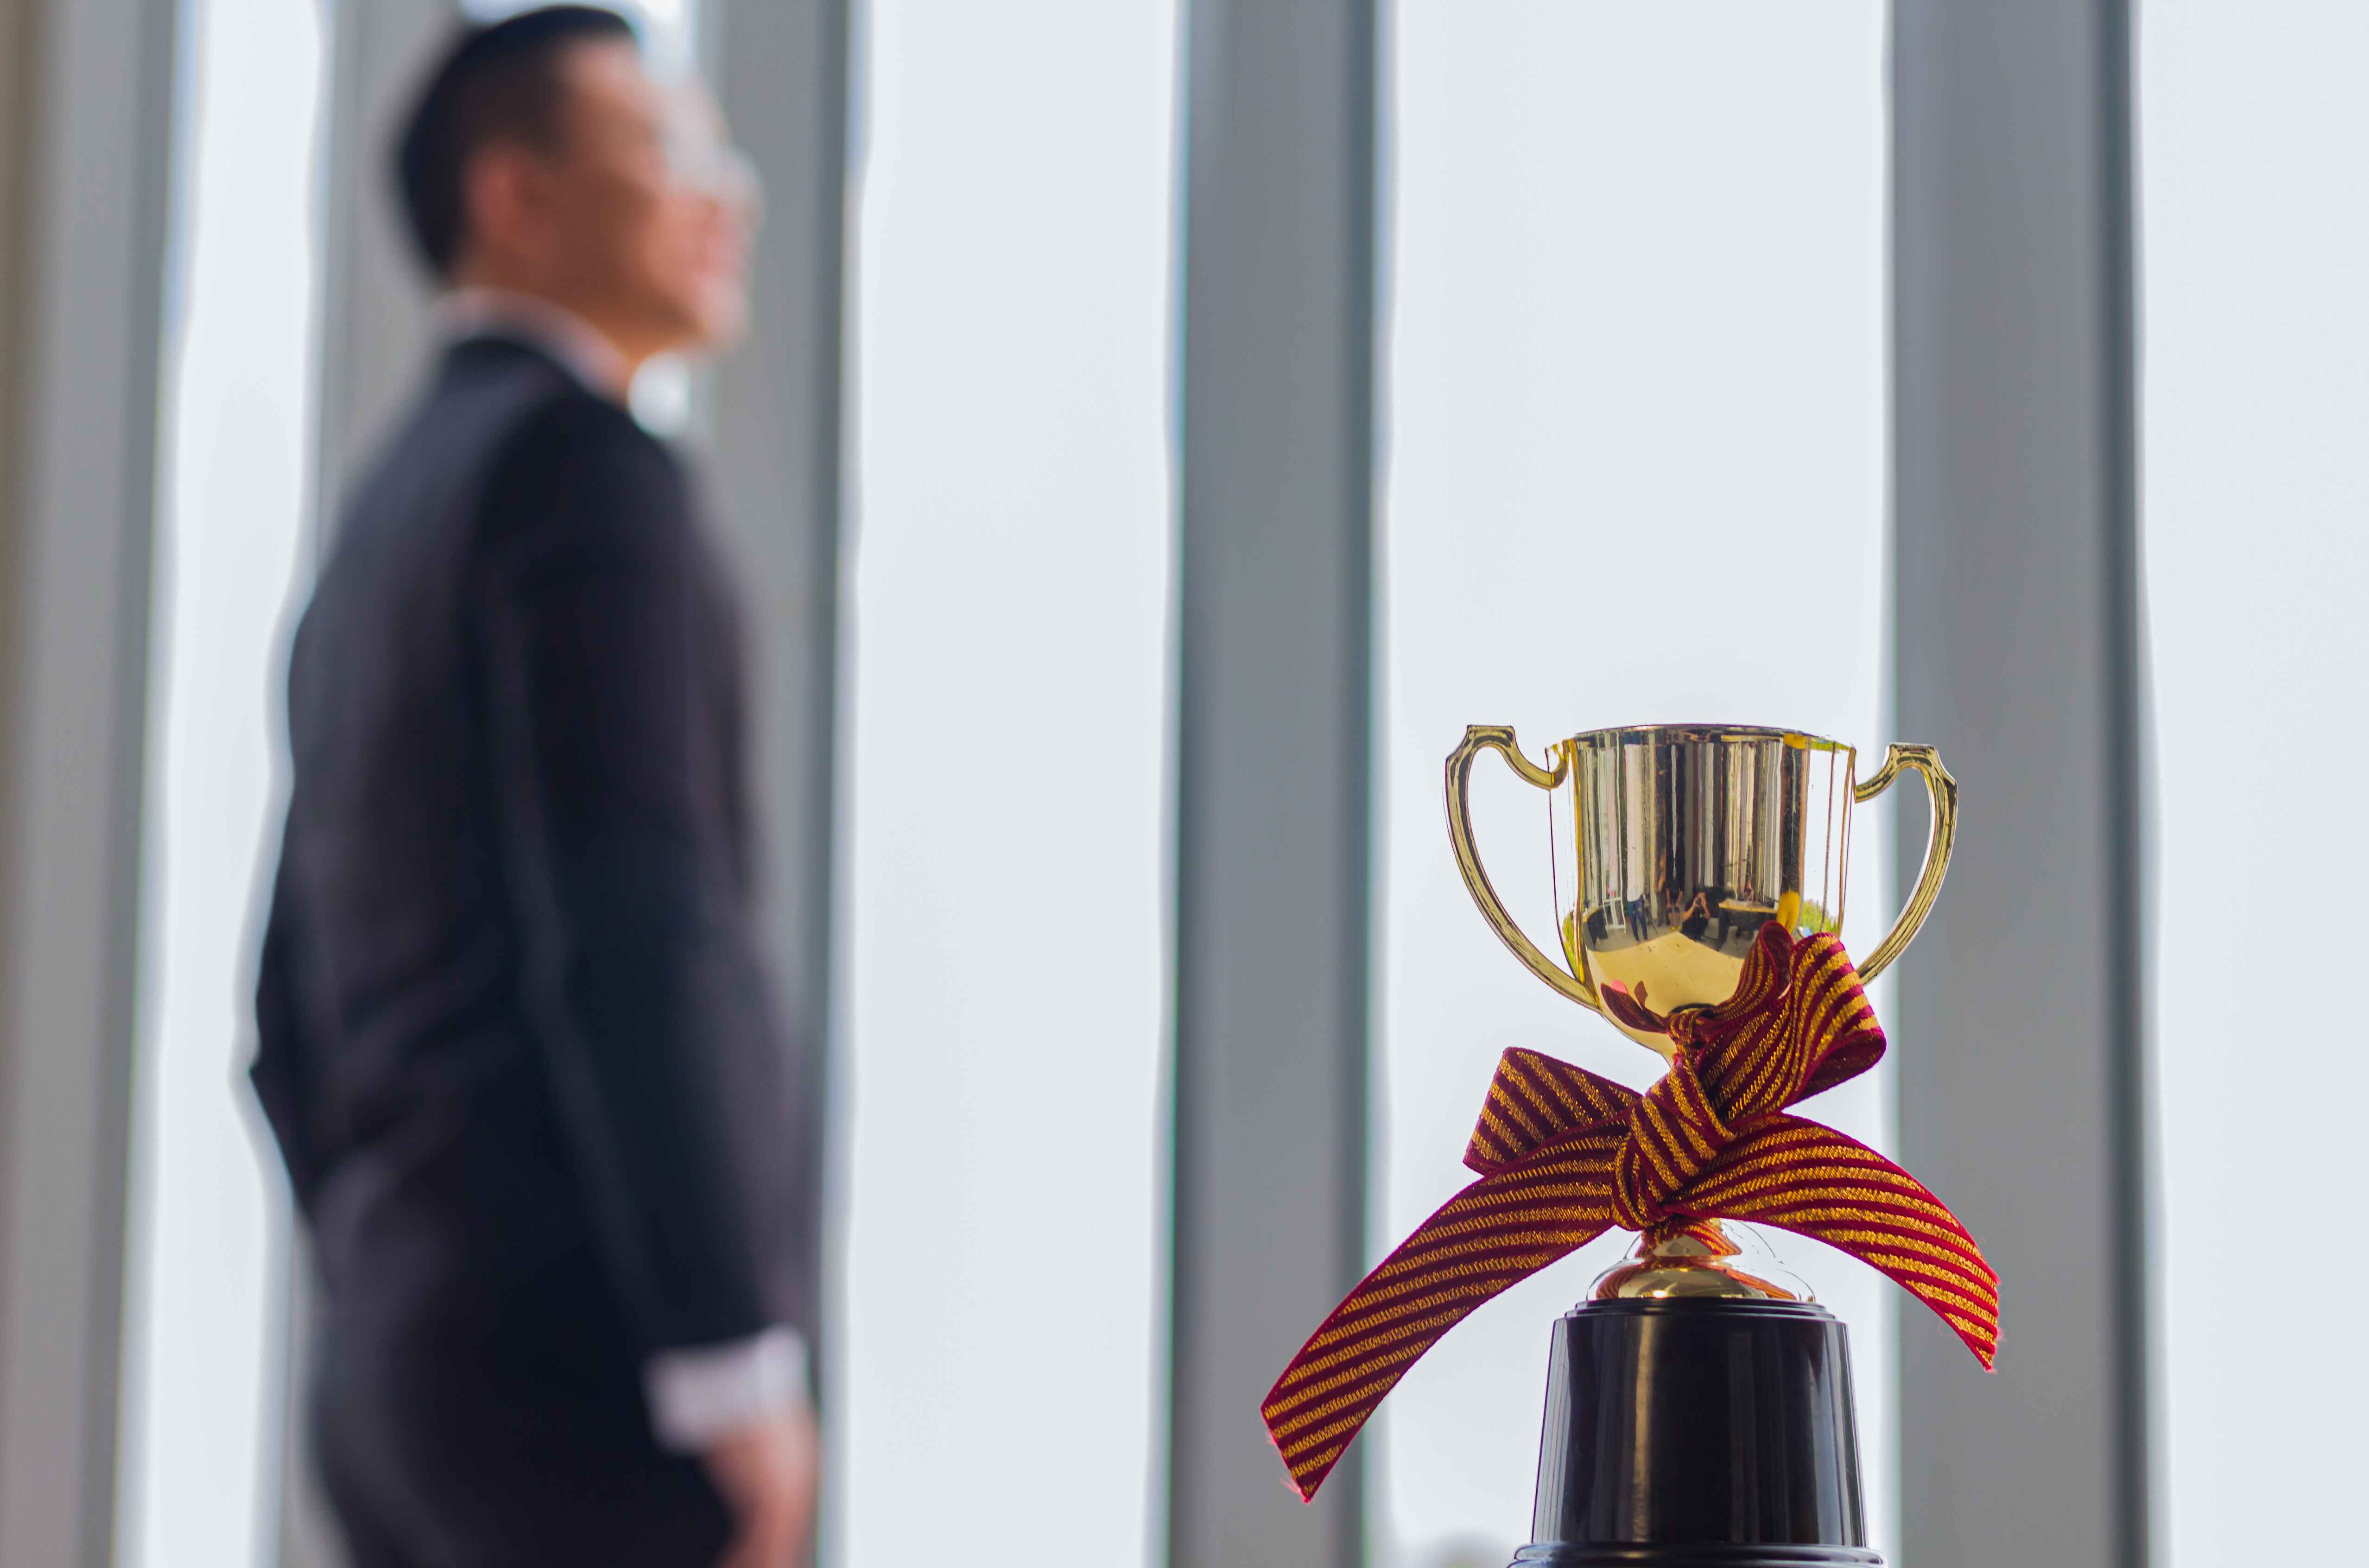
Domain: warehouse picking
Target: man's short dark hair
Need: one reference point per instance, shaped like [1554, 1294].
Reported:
[495, 84]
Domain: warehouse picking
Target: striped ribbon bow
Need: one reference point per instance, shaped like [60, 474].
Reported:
[1564, 1155]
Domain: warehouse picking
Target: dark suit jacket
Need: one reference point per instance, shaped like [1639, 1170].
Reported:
[511, 1013]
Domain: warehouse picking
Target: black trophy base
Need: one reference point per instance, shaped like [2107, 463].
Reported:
[1677, 1554]
[1702, 1433]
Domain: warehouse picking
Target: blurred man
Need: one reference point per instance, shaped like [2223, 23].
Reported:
[515, 1043]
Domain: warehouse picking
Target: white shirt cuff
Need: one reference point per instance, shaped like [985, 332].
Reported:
[698, 1395]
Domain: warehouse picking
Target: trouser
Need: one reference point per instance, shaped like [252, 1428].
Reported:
[507, 1432]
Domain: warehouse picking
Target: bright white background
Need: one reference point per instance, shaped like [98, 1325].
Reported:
[1634, 471]
[1635, 434]
[1005, 792]
[2254, 157]
[201, 1332]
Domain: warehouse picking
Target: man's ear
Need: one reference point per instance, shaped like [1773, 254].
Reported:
[505, 205]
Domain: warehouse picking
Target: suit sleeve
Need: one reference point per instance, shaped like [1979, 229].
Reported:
[641, 977]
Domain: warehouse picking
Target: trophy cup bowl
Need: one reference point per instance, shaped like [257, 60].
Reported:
[1684, 840]
[1695, 1412]
[1673, 845]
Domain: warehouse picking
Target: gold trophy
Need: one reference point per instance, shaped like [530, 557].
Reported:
[1682, 841]
[1695, 1411]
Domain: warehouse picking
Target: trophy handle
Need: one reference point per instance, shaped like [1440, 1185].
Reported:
[1499, 738]
[1938, 840]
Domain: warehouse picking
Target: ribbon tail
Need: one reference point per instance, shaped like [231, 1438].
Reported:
[1494, 1233]
[1809, 1179]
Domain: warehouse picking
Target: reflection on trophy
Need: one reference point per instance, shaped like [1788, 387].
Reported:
[1684, 839]
[1696, 1411]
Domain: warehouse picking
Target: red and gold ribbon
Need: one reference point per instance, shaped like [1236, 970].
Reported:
[1564, 1155]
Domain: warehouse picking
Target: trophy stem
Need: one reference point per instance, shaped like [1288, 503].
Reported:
[1686, 1257]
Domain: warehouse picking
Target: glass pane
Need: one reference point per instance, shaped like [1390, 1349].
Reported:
[669, 27]
[1635, 473]
[1008, 644]
[2254, 147]
[202, 1377]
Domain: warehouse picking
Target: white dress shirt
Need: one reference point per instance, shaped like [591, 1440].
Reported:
[697, 1393]
[580, 346]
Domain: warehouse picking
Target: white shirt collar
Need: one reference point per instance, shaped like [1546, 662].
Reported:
[579, 347]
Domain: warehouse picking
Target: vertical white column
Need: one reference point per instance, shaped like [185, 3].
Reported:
[89, 147]
[1274, 735]
[781, 70]
[2014, 464]
[375, 336]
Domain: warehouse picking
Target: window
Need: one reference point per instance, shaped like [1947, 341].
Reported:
[202, 1330]
[1636, 432]
[2254, 144]
[1005, 786]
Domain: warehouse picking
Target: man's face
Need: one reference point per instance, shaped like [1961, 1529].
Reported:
[647, 210]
